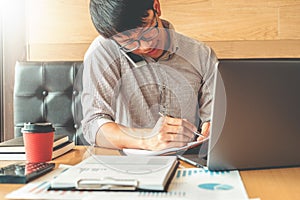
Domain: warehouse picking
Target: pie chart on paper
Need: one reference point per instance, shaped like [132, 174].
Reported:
[215, 186]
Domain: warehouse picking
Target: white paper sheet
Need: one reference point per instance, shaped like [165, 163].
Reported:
[190, 183]
[170, 151]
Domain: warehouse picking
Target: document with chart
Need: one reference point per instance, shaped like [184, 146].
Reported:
[187, 184]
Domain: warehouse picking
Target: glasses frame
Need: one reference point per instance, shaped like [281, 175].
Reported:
[141, 38]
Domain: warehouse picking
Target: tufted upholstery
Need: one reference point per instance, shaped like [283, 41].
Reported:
[49, 92]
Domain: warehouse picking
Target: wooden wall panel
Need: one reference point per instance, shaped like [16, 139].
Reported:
[225, 24]
[63, 51]
[59, 21]
[253, 3]
[257, 49]
[62, 29]
[289, 22]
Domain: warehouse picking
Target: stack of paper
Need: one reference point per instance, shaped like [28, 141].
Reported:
[187, 184]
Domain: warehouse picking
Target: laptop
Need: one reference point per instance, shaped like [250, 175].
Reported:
[255, 115]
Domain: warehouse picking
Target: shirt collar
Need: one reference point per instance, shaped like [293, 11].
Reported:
[172, 40]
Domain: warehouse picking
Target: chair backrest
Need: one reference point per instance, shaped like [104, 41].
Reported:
[49, 92]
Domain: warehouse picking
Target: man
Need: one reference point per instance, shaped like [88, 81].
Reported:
[144, 85]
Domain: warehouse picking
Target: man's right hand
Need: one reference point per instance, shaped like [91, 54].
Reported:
[169, 132]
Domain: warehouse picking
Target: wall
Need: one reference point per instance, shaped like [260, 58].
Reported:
[62, 30]
[13, 49]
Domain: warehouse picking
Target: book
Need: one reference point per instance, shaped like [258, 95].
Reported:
[62, 149]
[99, 172]
[17, 144]
[57, 151]
[169, 151]
[61, 145]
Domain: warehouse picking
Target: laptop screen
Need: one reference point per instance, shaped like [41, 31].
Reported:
[256, 114]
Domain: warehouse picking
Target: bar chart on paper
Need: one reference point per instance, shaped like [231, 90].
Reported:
[197, 182]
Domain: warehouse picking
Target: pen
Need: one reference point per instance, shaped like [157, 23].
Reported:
[195, 132]
[190, 161]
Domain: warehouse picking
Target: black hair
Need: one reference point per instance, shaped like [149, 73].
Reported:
[115, 16]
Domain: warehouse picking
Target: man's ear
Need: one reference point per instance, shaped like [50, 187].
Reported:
[156, 7]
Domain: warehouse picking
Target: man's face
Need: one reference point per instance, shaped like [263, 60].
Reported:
[149, 40]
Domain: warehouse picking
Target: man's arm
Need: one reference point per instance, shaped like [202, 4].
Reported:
[168, 132]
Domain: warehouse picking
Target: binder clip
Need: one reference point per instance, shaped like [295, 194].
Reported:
[107, 183]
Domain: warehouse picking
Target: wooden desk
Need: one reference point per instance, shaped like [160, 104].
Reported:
[269, 184]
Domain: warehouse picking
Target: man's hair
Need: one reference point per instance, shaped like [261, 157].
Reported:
[111, 17]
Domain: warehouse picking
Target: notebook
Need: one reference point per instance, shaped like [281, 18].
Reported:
[163, 152]
[99, 172]
[17, 144]
[14, 149]
[255, 116]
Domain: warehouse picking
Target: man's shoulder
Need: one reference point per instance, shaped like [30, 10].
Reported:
[194, 51]
[189, 41]
[100, 45]
[191, 47]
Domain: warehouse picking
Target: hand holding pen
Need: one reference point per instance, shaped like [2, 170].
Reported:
[194, 130]
[167, 133]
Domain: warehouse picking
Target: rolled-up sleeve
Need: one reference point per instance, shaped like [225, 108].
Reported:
[206, 90]
[100, 86]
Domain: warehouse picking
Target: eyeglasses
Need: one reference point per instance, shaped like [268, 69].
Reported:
[146, 36]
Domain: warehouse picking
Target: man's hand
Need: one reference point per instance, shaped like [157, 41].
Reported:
[205, 130]
[170, 132]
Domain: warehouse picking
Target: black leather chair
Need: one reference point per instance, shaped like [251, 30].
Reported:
[49, 92]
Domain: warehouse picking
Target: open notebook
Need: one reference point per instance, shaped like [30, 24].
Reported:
[169, 151]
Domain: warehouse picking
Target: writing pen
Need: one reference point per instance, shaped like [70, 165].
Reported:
[191, 162]
[195, 132]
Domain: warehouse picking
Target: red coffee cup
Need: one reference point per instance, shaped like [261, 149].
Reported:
[38, 141]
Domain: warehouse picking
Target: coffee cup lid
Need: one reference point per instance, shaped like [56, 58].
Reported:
[43, 127]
